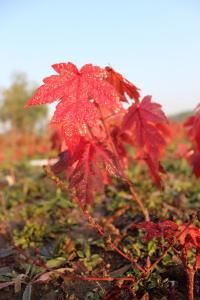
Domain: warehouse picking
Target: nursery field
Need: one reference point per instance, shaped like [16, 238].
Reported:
[112, 209]
[48, 250]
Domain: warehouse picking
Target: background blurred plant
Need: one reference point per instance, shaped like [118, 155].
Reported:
[13, 100]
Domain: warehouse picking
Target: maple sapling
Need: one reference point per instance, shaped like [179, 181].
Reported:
[95, 128]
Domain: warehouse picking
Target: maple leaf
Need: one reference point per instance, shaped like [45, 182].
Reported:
[77, 91]
[87, 177]
[122, 85]
[190, 238]
[119, 139]
[165, 229]
[155, 168]
[194, 160]
[193, 126]
[147, 125]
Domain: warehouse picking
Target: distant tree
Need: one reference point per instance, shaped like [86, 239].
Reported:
[12, 109]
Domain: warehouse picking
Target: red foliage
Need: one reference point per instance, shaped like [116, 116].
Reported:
[192, 125]
[190, 238]
[91, 160]
[177, 131]
[192, 156]
[122, 85]
[187, 235]
[146, 122]
[56, 140]
[1, 157]
[198, 260]
[182, 151]
[89, 109]
[120, 139]
[77, 92]
[165, 229]
[195, 162]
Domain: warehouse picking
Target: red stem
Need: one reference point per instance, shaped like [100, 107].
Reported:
[190, 282]
[98, 278]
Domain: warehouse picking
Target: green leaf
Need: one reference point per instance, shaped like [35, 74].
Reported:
[80, 254]
[151, 247]
[87, 251]
[56, 262]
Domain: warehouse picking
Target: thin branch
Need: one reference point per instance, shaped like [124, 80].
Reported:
[92, 221]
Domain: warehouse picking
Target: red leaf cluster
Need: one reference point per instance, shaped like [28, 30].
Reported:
[190, 237]
[96, 127]
[187, 236]
[193, 127]
[146, 123]
[166, 229]
[92, 161]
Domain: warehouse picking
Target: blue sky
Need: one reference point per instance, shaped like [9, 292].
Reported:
[155, 44]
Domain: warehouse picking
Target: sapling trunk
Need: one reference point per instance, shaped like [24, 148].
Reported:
[190, 282]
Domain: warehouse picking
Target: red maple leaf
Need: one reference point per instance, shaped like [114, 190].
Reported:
[87, 177]
[146, 124]
[165, 229]
[155, 168]
[78, 93]
[194, 160]
[122, 85]
[193, 125]
[190, 238]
